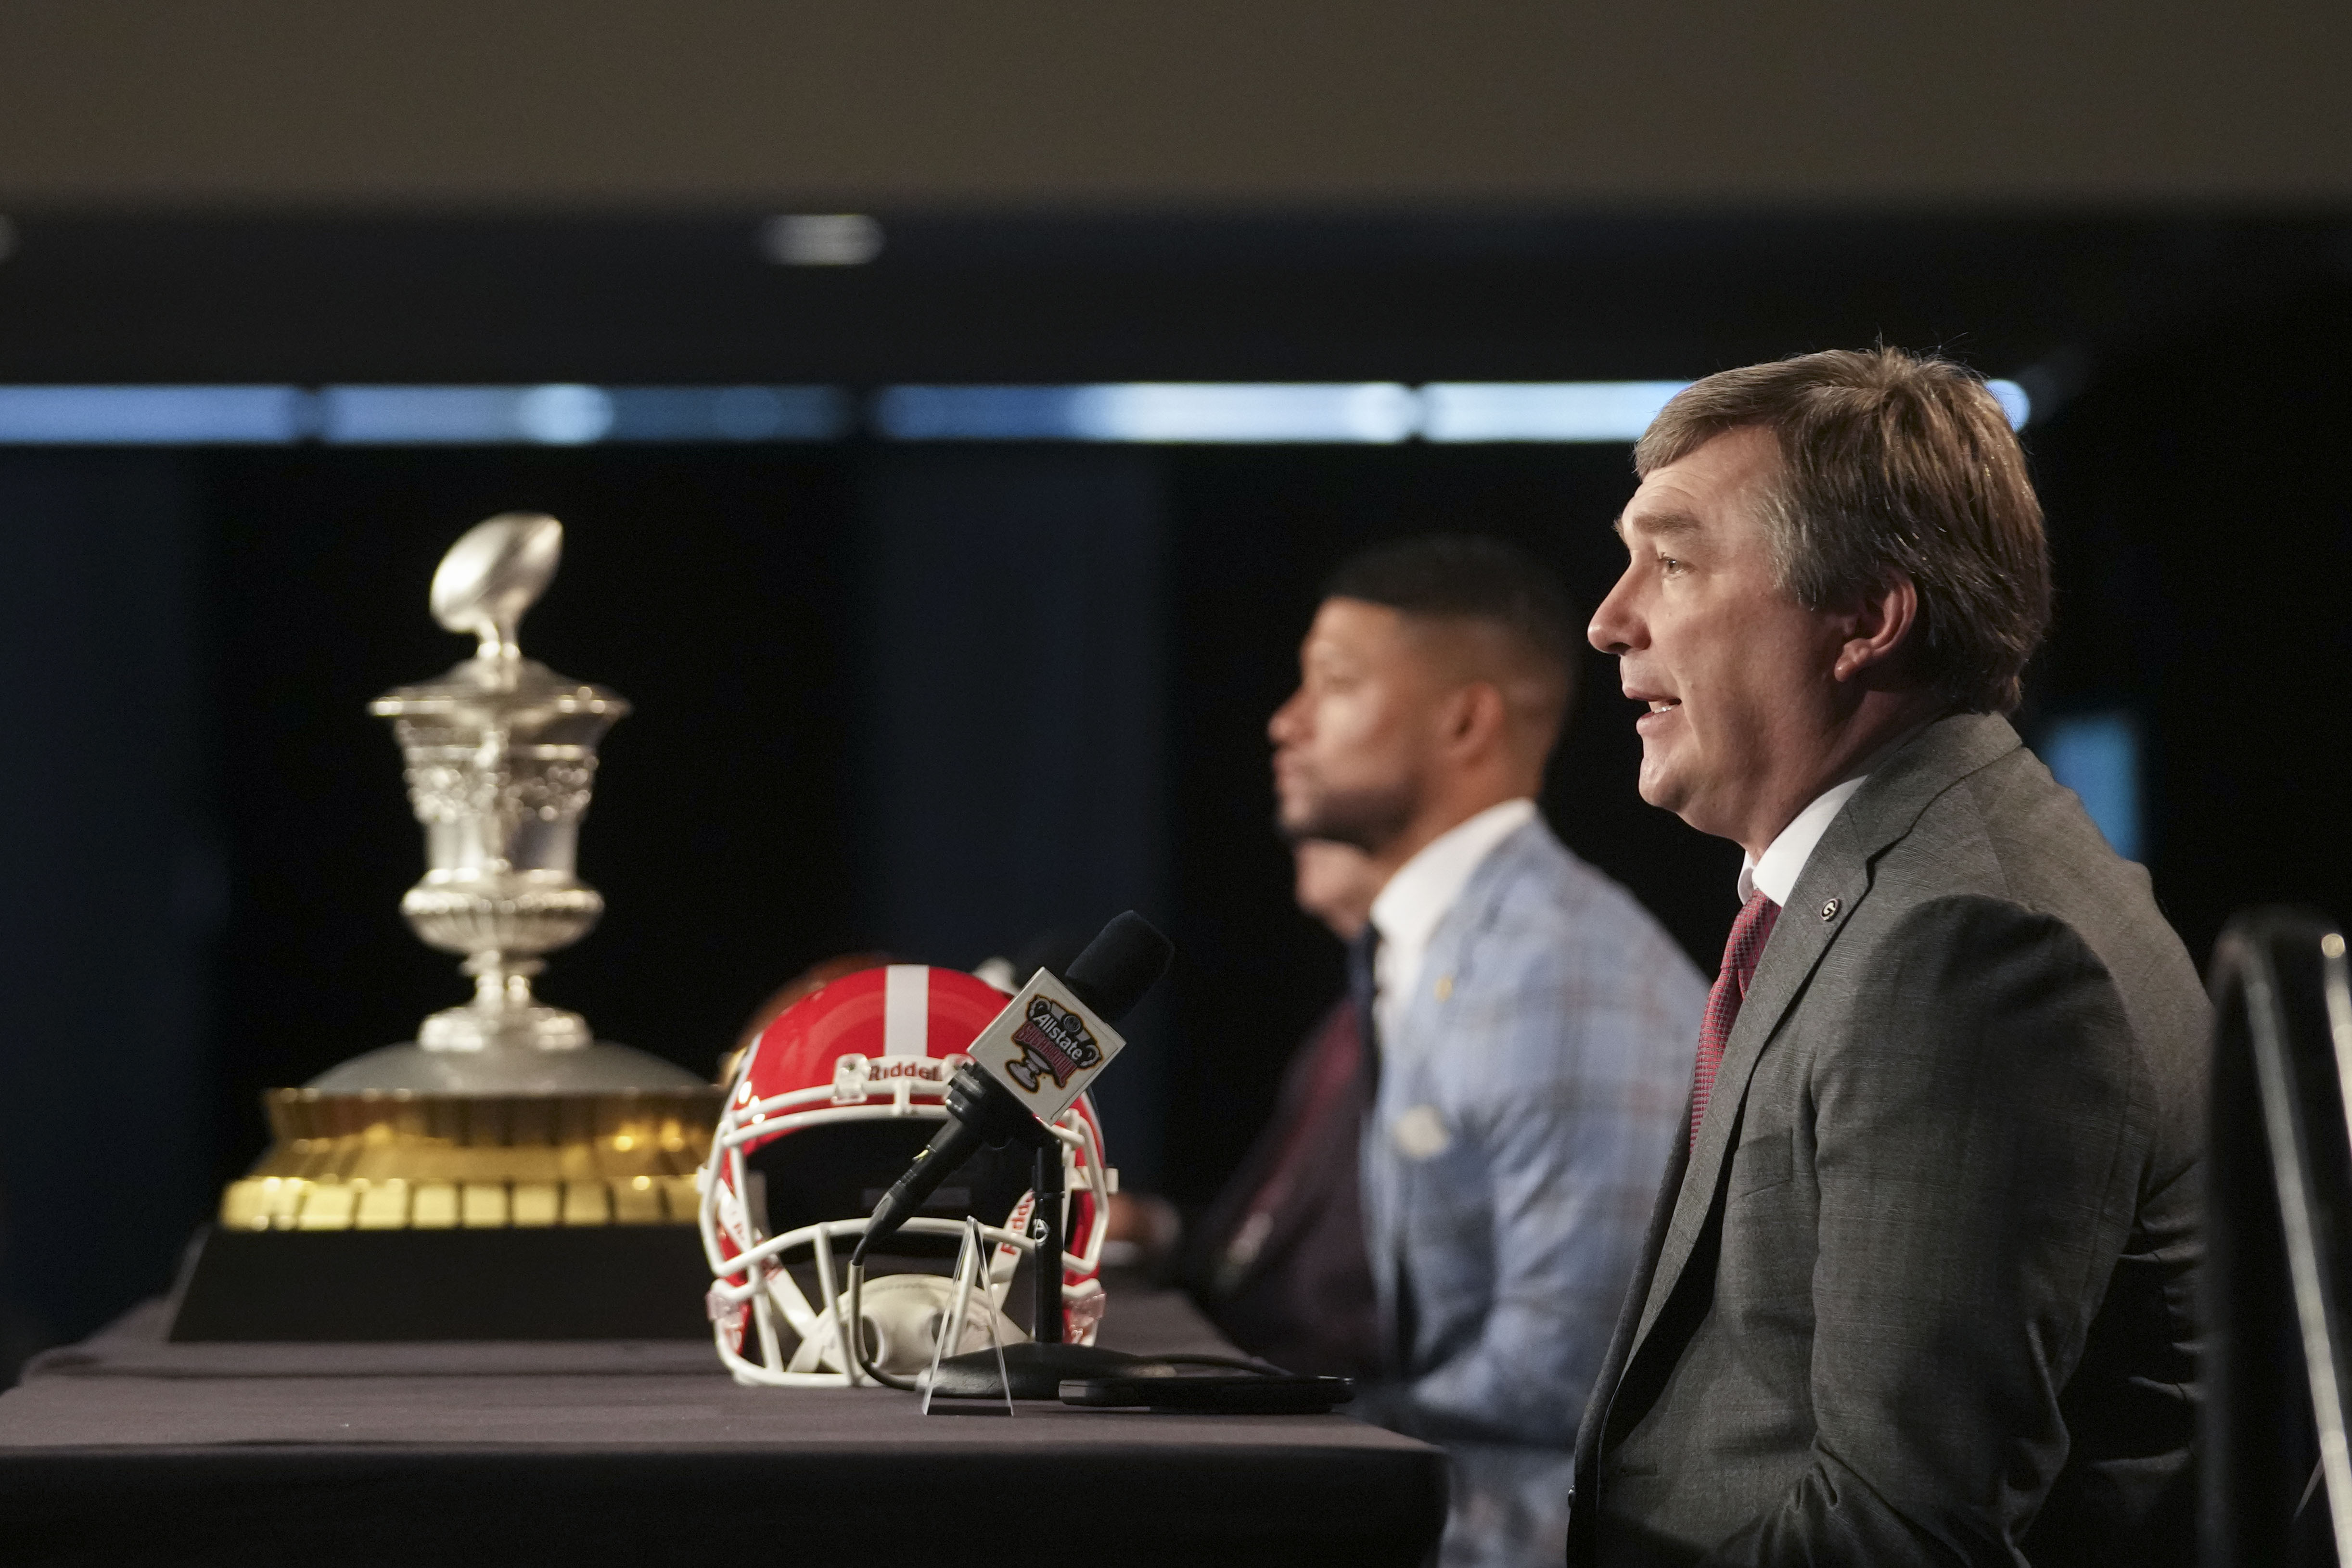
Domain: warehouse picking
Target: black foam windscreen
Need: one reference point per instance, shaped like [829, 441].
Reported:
[1126, 959]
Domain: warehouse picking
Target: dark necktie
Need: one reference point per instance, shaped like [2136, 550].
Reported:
[1748, 934]
[1363, 989]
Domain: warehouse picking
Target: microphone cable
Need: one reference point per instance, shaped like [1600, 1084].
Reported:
[855, 1329]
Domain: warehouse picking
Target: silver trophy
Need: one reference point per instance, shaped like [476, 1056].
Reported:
[501, 755]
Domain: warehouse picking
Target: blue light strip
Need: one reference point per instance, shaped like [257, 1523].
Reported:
[153, 415]
[397, 416]
[565, 415]
[1542, 411]
[976, 414]
[556, 415]
[1374, 412]
[731, 414]
[573, 416]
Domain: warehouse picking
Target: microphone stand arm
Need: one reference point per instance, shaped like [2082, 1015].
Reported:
[1047, 1181]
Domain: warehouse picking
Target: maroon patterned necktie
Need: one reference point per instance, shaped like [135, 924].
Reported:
[1748, 934]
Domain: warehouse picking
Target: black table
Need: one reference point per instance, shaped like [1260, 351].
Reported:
[127, 1449]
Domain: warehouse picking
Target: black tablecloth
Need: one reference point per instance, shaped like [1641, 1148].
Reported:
[126, 1450]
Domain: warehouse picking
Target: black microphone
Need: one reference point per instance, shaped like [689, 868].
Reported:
[996, 1098]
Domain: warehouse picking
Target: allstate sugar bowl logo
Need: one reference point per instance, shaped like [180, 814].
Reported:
[1053, 1043]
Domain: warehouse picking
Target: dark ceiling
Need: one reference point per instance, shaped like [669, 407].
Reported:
[1046, 299]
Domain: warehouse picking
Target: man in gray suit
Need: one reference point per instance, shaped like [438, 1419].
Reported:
[1530, 1022]
[1920, 1286]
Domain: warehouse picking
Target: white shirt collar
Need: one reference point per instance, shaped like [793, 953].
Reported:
[1407, 912]
[1776, 870]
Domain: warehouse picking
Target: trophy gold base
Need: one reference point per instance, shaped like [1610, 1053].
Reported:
[395, 1214]
[399, 1159]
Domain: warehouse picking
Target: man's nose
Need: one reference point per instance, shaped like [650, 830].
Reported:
[1616, 627]
[1284, 720]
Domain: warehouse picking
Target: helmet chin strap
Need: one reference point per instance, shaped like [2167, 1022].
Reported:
[855, 1329]
[972, 1276]
[950, 1326]
[914, 1318]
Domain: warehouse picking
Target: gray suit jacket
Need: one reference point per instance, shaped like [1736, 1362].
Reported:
[1923, 1293]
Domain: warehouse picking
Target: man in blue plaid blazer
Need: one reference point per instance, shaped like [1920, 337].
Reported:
[1532, 1024]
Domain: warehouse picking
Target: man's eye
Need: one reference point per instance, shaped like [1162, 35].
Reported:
[1670, 564]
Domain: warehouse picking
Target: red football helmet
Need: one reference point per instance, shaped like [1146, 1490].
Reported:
[826, 1110]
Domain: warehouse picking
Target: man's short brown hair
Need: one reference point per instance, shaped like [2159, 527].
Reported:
[1892, 464]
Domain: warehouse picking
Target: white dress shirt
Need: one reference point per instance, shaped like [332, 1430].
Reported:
[1418, 896]
[1775, 872]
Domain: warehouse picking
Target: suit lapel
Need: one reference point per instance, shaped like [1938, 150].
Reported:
[1453, 955]
[1836, 880]
[1788, 961]
[1453, 945]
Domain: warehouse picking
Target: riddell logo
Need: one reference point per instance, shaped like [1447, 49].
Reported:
[890, 1067]
[1053, 1042]
[857, 1078]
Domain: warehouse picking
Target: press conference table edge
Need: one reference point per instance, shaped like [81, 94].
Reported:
[588, 1468]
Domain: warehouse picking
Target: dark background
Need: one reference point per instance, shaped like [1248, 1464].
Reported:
[852, 660]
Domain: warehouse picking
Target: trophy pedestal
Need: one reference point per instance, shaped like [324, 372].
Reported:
[409, 1213]
[553, 1282]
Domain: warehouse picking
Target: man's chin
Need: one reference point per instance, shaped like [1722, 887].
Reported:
[1662, 787]
[1680, 794]
[1296, 826]
[1318, 832]
[1366, 821]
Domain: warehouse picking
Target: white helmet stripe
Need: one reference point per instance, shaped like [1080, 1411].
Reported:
[907, 1010]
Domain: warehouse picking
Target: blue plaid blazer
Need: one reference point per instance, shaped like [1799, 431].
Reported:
[1537, 1078]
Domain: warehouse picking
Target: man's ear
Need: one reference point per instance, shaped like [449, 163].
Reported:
[1477, 717]
[1877, 629]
